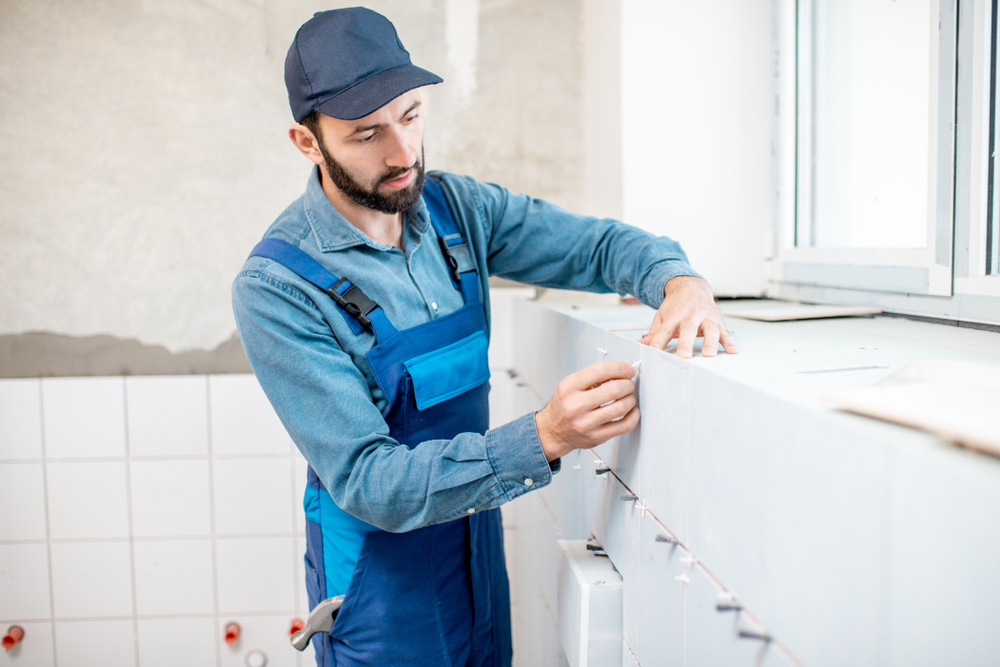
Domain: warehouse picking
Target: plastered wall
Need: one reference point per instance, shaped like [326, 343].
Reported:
[145, 149]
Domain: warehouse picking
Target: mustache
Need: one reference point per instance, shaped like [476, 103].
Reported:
[393, 173]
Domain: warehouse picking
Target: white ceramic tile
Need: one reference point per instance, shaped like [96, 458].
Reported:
[564, 497]
[622, 545]
[628, 656]
[95, 643]
[824, 479]
[242, 420]
[943, 571]
[713, 636]
[665, 431]
[253, 496]
[87, 500]
[91, 579]
[36, 648]
[622, 349]
[298, 572]
[729, 439]
[20, 420]
[255, 574]
[597, 491]
[22, 501]
[167, 416]
[24, 582]
[661, 597]
[170, 498]
[174, 577]
[171, 642]
[84, 417]
[502, 388]
[266, 634]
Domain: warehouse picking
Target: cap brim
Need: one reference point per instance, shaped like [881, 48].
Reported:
[376, 91]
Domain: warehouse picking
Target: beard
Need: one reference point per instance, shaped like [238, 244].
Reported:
[369, 195]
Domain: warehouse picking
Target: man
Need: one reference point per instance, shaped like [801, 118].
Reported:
[364, 312]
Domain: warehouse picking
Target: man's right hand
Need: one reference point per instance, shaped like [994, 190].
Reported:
[588, 408]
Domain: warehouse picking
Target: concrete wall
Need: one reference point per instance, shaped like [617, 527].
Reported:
[145, 147]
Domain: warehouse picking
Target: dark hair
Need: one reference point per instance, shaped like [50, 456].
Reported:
[312, 124]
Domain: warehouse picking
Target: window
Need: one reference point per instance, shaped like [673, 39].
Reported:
[885, 121]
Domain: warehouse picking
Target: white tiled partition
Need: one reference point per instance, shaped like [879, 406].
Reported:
[141, 515]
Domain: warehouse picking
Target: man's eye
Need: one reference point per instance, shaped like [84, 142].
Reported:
[366, 139]
[410, 119]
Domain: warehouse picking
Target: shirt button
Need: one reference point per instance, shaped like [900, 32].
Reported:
[472, 510]
[528, 481]
[434, 305]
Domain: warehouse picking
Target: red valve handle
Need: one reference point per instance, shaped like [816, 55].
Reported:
[14, 635]
[232, 633]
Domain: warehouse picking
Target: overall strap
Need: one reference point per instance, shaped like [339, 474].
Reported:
[456, 252]
[359, 309]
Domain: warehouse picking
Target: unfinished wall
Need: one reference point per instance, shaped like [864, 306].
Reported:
[145, 147]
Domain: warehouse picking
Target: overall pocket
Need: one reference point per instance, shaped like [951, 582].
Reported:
[449, 371]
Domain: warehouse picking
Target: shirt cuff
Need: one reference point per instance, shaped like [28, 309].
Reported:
[516, 456]
[653, 286]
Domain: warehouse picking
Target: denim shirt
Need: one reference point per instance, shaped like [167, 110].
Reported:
[312, 365]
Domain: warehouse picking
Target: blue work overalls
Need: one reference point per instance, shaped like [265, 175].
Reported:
[435, 596]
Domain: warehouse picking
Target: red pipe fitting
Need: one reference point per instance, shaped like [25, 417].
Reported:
[14, 635]
[232, 633]
[297, 624]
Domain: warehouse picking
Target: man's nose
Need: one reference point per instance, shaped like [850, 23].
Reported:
[400, 154]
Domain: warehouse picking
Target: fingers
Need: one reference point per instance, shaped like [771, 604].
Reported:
[599, 373]
[728, 344]
[613, 411]
[710, 344]
[685, 344]
[616, 428]
[659, 336]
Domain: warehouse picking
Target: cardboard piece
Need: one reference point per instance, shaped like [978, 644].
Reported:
[783, 311]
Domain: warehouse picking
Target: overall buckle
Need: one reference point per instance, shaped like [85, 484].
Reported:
[354, 301]
[458, 255]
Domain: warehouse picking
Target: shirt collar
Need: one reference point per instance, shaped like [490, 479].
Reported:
[332, 230]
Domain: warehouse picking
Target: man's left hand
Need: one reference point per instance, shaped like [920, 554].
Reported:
[688, 309]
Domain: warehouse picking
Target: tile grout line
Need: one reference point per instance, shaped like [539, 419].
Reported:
[48, 530]
[131, 522]
[211, 519]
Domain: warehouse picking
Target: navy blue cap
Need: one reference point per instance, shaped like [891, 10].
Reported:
[347, 63]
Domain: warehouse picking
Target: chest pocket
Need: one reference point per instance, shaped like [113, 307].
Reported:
[449, 371]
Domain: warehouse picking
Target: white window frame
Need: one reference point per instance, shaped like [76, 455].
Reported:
[949, 279]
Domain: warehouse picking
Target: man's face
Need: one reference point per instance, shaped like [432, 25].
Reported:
[377, 161]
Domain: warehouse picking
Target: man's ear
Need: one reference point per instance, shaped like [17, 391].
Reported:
[307, 144]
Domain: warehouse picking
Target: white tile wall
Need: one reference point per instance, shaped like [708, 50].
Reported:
[242, 420]
[255, 574]
[174, 577]
[171, 642]
[36, 649]
[25, 519]
[167, 416]
[24, 582]
[20, 420]
[166, 516]
[171, 498]
[88, 500]
[91, 579]
[84, 417]
[267, 634]
[95, 643]
[253, 496]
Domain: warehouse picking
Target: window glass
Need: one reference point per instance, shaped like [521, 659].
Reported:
[872, 128]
